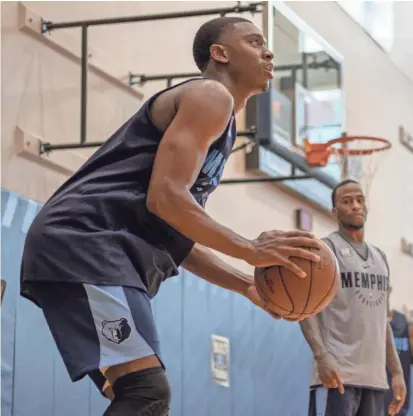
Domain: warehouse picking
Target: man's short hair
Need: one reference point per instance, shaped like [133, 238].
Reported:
[209, 34]
[342, 183]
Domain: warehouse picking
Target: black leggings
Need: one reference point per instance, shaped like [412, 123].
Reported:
[143, 393]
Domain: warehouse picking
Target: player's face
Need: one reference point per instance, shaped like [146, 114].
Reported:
[249, 61]
[350, 209]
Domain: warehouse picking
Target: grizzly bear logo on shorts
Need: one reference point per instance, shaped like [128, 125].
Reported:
[116, 331]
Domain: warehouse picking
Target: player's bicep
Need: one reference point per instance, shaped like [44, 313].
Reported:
[202, 116]
[179, 158]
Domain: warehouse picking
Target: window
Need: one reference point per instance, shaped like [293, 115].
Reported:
[375, 17]
[307, 44]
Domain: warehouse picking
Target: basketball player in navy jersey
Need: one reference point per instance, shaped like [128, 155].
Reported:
[402, 333]
[104, 242]
[351, 340]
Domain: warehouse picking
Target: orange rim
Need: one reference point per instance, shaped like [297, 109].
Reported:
[318, 154]
[358, 152]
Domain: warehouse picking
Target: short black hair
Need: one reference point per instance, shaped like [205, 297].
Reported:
[342, 183]
[208, 34]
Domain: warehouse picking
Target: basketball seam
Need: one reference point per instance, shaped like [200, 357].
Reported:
[309, 292]
[280, 269]
[286, 291]
[268, 299]
[329, 290]
[309, 289]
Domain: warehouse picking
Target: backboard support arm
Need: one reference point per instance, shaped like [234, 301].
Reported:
[48, 27]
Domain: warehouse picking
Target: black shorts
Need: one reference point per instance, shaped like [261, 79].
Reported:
[95, 327]
[356, 401]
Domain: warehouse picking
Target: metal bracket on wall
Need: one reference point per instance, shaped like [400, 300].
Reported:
[134, 79]
[265, 179]
[137, 79]
[47, 147]
[142, 79]
[48, 27]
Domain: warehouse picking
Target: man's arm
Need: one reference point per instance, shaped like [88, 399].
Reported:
[392, 357]
[203, 114]
[398, 384]
[206, 264]
[327, 365]
[312, 334]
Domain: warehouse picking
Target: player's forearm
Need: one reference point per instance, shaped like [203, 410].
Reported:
[178, 208]
[204, 263]
[311, 331]
[392, 358]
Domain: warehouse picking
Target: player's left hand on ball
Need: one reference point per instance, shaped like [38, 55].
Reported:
[398, 387]
[254, 297]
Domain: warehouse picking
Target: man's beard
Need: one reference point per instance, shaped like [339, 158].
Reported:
[353, 227]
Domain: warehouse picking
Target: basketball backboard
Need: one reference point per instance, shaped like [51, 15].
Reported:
[305, 100]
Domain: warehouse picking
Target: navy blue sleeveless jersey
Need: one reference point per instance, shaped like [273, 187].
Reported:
[96, 228]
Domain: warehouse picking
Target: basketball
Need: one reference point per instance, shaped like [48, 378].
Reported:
[293, 297]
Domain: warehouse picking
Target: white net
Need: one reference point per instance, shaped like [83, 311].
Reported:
[362, 168]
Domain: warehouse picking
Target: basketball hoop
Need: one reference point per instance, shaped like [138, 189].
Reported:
[347, 152]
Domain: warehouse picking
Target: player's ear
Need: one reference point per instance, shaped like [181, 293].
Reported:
[219, 54]
[334, 212]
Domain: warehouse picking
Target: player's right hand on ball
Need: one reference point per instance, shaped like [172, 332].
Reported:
[329, 373]
[274, 248]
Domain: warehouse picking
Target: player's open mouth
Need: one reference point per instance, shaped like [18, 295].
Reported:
[269, 69]
[269, 74]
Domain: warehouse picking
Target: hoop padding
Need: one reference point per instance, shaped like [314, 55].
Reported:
[318, 154]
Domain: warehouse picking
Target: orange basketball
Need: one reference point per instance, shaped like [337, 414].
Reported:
[293, 297]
